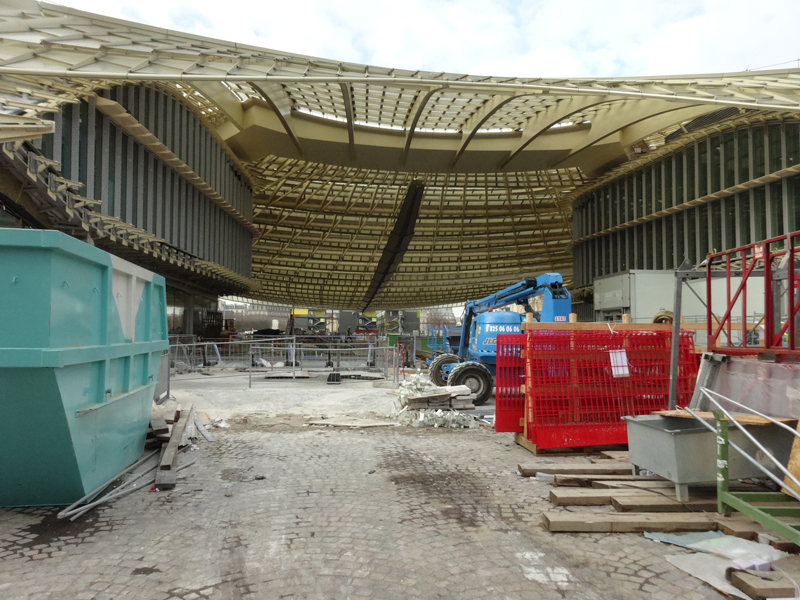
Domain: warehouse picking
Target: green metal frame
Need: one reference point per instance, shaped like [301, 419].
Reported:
[743, 501]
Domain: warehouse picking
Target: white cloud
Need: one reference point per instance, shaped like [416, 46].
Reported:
[525, 38]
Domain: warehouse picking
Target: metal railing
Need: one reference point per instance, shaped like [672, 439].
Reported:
[767, 508]
[287, 356]
[778, 279]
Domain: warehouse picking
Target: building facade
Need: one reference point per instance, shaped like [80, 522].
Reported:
[710, 190]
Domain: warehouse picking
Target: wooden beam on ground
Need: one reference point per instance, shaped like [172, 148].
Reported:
[158, 424]
[618, 484]
[760, 585]
[165, 479]
[599, 497]
[746, 528]
[666, 484]
[521, 439]
[626, 523]
[530, 470]
[658, 503]
[166, 474]
[565, 480]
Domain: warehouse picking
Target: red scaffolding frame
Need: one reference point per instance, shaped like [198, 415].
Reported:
[777, 259]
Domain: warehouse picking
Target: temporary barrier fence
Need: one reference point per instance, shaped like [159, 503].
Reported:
[509, 381]
[580, 383]
[282, 356]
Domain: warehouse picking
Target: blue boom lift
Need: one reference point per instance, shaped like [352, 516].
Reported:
[474, 365]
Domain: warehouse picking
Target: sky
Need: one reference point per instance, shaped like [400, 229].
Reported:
[533, 38]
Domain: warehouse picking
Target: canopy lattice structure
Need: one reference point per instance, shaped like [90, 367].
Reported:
[332, 150]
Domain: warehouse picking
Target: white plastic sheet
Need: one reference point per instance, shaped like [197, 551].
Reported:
[731, 547]
[708, 568]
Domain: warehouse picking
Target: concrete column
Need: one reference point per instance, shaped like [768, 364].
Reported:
[188, 314]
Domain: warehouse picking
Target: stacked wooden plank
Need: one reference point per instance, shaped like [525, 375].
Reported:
[641, 503]
[172, 433]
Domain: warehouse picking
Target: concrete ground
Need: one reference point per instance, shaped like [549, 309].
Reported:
[277, 508]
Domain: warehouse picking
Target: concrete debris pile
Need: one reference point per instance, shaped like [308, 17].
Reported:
[437, 418]
[422, 403]
[420, 393]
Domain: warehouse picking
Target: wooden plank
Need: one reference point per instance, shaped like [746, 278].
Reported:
[588, 480]
[165, 479]
[158, 424]
[709, 416]
[178, 428]
[530, 470]
[746, 528]
[794, 465]
[586, 497]
[626, 523]
[597, 497]
[658, 503]
[789, 565]
[616, 484]
[759, 587]
[522, 440]
[616, 454]
[177, 416]
[666, 484]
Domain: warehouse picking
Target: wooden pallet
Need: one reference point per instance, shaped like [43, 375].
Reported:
[607, 468]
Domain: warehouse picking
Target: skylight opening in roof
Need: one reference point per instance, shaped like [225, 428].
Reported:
[233, 91]
[321, 115]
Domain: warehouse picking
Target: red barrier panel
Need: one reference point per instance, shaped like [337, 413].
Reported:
[579, 384]
[509, 378]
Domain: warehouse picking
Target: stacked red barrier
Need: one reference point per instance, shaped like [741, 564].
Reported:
[580, 383]
[509, 405]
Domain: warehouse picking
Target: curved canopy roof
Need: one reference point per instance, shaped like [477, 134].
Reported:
[336, 152]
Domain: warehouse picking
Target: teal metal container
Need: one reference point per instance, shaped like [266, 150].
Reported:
[80, 348]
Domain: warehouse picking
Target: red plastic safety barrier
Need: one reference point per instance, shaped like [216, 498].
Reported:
[579, 384]
[509, 379]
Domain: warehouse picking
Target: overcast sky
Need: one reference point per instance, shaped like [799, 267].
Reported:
[551, 38]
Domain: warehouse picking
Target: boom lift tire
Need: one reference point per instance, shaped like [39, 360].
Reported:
[476, 377]
[435, 370]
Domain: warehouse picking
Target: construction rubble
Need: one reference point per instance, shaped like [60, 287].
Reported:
[422, 403]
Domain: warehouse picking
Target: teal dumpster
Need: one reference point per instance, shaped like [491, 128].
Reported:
[80, 347]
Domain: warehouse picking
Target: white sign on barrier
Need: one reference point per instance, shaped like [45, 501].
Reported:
[619, 363]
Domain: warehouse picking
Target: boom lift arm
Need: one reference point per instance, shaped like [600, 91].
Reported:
[519, 293]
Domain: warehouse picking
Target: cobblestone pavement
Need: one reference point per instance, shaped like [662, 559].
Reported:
[278, 511]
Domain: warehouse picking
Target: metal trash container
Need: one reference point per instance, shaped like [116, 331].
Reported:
[80, 349]
[685, 452]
